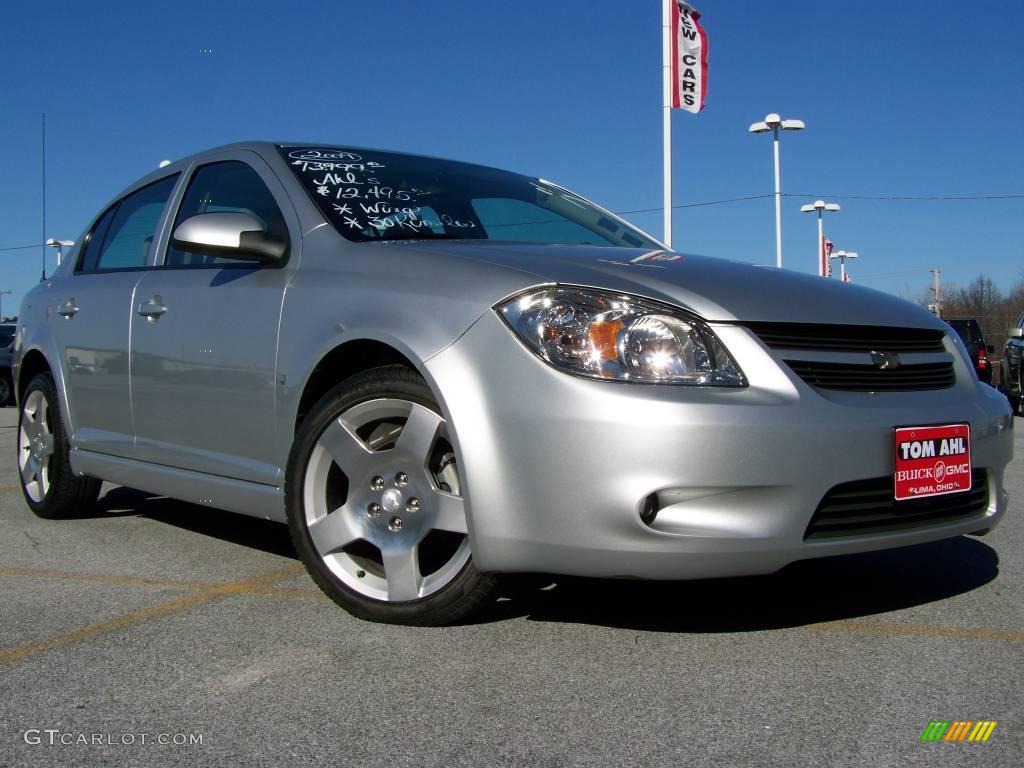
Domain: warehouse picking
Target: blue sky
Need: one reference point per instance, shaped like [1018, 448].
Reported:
[900, 99]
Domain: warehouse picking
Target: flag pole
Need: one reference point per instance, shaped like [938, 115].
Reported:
[666, 48]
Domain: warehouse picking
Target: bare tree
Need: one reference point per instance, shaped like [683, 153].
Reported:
[983, 300]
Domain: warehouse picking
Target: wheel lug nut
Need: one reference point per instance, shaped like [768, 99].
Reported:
[412, 505]
[401, 479]
[377, 484]
[373, 509]
[395, 524]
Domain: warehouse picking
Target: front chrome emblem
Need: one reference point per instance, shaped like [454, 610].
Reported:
[885, 361]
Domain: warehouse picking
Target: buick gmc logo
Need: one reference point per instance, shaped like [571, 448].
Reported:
[885, 361]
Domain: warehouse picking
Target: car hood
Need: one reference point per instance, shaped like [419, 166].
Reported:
[715, 289]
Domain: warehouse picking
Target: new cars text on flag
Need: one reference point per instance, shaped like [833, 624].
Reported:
[825, 267]
[689, 58]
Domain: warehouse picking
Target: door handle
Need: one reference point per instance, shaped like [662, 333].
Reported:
[152, 309]
[68, 309]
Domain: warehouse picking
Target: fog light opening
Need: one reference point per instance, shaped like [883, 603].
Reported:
[649, 509]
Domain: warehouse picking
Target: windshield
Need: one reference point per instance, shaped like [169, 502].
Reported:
[370, 195]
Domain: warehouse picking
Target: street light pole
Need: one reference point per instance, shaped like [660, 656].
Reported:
[843, 256]
[772, 122]
[820, 206]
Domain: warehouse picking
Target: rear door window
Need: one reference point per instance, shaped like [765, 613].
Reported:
[94, 241]
[128, 229]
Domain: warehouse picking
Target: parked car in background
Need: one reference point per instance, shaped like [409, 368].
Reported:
[970, 334]
[7, 331]
[436, 372]
[1012, 379]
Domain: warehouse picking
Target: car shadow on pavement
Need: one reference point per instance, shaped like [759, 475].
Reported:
[264, 535]
[806, 592]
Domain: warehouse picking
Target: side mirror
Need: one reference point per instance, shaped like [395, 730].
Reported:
[1016, 333]
[229, 235]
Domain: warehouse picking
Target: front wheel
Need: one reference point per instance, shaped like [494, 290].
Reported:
[375, 508]
[50, 486]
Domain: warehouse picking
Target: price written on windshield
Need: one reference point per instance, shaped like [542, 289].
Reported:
[360, 201]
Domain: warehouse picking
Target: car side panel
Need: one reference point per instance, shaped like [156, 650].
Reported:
[92, 349]
[389, 294]
[204, 373]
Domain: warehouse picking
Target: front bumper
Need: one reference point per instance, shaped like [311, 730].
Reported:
[555, 468]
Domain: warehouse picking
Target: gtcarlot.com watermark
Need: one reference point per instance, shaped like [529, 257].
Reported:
[57, 737]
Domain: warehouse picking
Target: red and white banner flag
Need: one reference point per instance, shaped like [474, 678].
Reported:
[825, 267]
[689, 58]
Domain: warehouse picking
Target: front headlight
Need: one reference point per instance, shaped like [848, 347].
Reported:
[612, 336]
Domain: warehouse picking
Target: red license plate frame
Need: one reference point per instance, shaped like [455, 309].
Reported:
[932, 460]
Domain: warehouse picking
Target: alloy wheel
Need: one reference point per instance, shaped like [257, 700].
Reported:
[35, 446]
[382, 501]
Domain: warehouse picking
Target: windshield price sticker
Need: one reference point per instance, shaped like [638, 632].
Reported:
[932, 461]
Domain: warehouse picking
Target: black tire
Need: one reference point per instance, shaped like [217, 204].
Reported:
[347, 572]
[52, 491]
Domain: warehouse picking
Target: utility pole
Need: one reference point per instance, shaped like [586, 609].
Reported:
[937, 290]
[2, 294]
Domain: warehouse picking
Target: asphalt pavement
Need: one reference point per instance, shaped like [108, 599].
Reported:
[154, 632]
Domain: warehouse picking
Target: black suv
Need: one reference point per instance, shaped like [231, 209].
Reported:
[6, 346]
[970, 333]
[1013, 372]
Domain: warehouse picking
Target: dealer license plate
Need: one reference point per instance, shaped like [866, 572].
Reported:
[932, 461]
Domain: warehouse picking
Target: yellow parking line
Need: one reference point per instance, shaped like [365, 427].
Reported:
[126, 581]
[919, 630]
[204, 591]
[279, 592]
[142, 581]
[26, 650]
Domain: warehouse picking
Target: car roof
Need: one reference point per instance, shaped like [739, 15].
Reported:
[267, 148]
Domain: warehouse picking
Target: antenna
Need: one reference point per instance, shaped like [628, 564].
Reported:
[43, 278]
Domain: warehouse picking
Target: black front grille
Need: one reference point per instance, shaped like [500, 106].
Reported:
[848, 338]
[868, 506]
[868, 378]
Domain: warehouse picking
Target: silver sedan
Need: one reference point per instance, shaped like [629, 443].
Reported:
[437, 373]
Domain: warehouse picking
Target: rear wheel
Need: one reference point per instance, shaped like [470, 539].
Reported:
[50, 486]
[375, 508]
